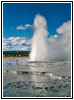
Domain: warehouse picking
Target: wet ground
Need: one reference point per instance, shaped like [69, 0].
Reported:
[22, 78]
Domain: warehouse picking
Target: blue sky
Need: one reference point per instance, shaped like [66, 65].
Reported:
[18, 18]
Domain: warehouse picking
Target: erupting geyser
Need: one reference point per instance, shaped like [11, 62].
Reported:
[50, 49]
[39, 42]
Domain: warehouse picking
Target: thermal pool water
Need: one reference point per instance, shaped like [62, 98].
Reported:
[22, 78]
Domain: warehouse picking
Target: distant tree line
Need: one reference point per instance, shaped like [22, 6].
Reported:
[15, 54]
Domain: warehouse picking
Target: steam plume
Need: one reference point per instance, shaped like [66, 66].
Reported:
[53, 48]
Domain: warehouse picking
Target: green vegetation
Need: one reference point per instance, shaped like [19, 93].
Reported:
[15, 54]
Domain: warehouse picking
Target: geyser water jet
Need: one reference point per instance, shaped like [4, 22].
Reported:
[39, 42]
[50, 49]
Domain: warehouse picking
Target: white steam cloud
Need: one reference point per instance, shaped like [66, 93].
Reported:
[53, 48]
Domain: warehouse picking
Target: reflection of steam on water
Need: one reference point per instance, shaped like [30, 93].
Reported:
[53, 48]
[51, 75]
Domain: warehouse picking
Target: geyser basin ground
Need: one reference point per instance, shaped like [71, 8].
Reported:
[38, 79]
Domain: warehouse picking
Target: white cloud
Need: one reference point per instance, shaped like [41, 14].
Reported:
[22, 42]
[27, 25]
[28, 42]
[16, 43]
[11, 38]
[21, 27]
[16, 38]
[24, 48]
[4, 44]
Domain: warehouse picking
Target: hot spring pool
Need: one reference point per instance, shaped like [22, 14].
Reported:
[22, 78]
